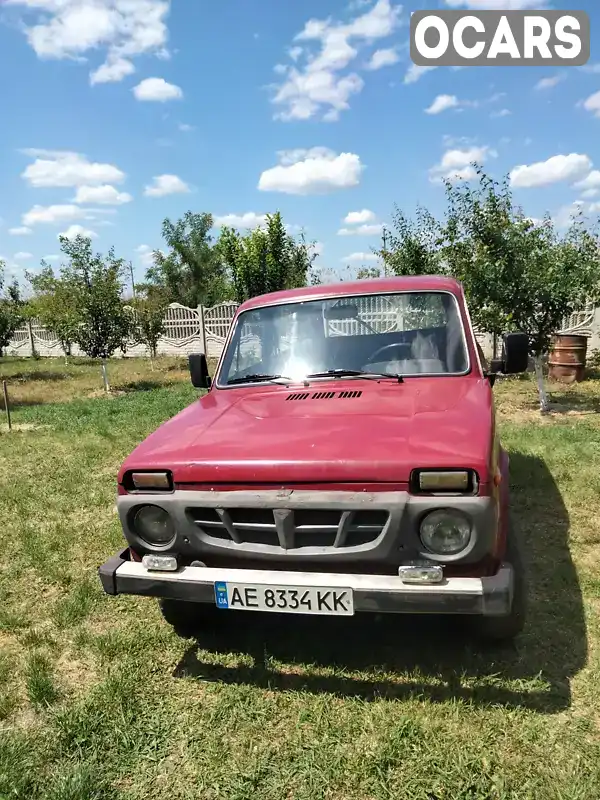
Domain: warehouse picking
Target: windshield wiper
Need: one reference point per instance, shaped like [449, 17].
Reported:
[259, 378]
[356, 373]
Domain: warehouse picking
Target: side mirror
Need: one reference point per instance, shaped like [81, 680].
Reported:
[199, 371]
[515, 355]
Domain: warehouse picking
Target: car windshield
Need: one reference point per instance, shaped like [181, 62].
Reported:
[407, 333]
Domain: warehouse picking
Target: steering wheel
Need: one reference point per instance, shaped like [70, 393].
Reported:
[394, 346]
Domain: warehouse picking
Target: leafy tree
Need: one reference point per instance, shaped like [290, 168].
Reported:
[149, 306]
[517, 275]
[191, 272]
[95, 283]
[266, 259]
[11, 311]
[367, 273]
[55, 305]
[414, 247]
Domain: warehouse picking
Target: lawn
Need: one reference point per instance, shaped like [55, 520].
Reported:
[99, 699]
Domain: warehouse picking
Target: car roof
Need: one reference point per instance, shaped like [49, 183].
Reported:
[358, 287]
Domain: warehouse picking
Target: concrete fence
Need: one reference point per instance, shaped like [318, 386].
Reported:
[197, 330]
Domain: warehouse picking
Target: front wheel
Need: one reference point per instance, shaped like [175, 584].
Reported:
[507, 628]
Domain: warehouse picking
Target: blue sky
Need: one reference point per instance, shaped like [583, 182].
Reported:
[118, 113]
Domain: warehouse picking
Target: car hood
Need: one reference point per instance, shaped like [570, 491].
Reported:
[347, 431]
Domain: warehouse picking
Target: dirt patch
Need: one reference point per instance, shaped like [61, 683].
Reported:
[21, 426]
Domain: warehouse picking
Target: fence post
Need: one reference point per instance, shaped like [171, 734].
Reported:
[31, 339]
[202, 329]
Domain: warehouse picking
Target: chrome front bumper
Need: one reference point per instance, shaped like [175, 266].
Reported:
[488, 596]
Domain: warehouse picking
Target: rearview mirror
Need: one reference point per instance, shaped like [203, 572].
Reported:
[342, 311]
[199, 371]
[515, 355]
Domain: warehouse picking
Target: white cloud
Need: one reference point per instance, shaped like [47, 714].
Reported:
[57, 168]
[22, 256]
[113, 71]
[442, 103]
[358, 217]
[145, 255]
[157, 90]
[73, 28]
[364, 258]
[590, 185]
[248, 220]
[593, 69]
[383, 58]
[414, 72]
[51, 257]
[494, 5]
[457, 164]
[316, 87]
[22, 231]
[593, 104]
[185, 128]
[52, 214]
[558, 168]
[362, 230]
[503, 112]
[78, 230]
[314, 171]
[166, 184]
[550, 83]
[104, 195]
[564, 216]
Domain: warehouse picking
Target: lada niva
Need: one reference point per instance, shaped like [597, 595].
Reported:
[344, 459]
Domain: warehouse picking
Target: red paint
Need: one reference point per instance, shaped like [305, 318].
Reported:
[250, 436]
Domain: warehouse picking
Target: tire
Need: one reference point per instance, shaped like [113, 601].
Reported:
[507, 628]
[185, 618]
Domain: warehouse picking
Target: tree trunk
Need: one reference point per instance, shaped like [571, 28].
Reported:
[105, 377]
[539, 374]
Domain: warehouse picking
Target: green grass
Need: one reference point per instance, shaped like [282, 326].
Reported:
[99, 700]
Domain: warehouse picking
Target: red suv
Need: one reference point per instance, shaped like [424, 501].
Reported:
[344, 459]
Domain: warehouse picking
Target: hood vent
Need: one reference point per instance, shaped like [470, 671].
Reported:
[323, 395]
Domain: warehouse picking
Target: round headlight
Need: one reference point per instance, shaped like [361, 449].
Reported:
[445, 532]
[154, 525]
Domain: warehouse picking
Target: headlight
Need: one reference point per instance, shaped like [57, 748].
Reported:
[153, 524]
[445, 532]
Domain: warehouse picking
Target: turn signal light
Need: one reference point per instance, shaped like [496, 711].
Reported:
[151, 481]
[444, 481]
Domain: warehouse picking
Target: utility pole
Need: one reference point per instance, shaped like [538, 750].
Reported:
[132, 279]
[384, 250]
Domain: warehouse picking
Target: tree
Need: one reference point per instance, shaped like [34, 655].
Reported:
[266, 259]
[149, 306]
[11, 314]
[517, 275]
[414, 246]
[95, 283]
[191, 272]
[55, 305]
[368, 273]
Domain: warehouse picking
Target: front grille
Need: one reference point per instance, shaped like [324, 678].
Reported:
[291, 529]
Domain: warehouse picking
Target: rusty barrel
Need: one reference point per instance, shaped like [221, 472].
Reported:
[567, 358]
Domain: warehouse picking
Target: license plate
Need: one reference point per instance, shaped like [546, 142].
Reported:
[284, 599]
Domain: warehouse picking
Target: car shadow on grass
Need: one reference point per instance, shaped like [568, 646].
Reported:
[432, 658]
